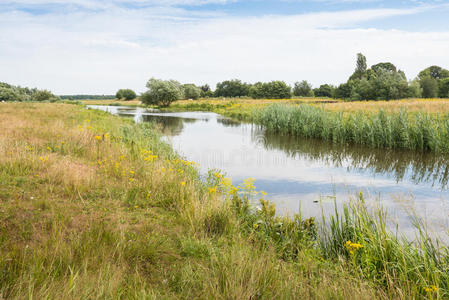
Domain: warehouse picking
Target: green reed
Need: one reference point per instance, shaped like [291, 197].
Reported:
[403, 130]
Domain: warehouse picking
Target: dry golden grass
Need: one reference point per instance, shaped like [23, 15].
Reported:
[412, 105]
[135, 102]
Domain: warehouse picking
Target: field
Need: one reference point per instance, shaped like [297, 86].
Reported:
[94, 206]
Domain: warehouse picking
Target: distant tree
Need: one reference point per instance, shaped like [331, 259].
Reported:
[435, 72]
[8, 94]
[360, 69]
[161, 92]
[43, 95]
[232, 88]
[415, 90]
[386, 66]
[429, 87]
[126, 94]
[206, 91]
[444, 88]
[303, 89]
[343, 91]
[325, 90]
[191, 91]
[256, 91]
[270, 90]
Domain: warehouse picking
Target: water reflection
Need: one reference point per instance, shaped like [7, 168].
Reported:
[414, 166]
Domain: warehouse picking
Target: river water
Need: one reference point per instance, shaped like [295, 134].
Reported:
[309, 175]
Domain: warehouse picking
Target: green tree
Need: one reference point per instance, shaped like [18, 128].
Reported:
[429, 87]
[8, 94]
[360, 69]
[435, 72]
[206, 91]
[43, 95]
[325, 90]
[444, 88]
[126, 94]
[303, 89]
[232, 88]
[270, 90]
[161, 92]
[191, 91]
[386, 66]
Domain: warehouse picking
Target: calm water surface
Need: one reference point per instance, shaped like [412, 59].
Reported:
[309, 175]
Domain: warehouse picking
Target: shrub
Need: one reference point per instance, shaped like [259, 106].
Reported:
[43, 95]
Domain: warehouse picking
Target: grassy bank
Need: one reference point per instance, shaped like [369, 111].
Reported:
[93, 206]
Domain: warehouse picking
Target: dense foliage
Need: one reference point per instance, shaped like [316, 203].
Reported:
[232, 88]
[126, 94]
[10, 92]
[161, 92]
[270, 90]
[191, 91]
[303, 89]
[382, 81]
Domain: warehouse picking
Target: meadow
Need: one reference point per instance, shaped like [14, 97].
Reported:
[94, 206]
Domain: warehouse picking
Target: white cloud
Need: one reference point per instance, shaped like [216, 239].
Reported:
[99, 52]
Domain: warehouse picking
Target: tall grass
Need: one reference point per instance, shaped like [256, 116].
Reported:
[415, 131]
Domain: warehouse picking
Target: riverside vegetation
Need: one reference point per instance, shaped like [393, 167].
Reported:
[94, 206]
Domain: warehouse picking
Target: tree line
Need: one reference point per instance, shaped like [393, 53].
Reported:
[10, 92]
[382, 81]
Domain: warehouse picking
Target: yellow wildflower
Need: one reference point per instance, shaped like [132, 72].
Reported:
[183, 183]
[43, 158]
[98, 137]
[431, 289]
[213, 190]
[353, 247]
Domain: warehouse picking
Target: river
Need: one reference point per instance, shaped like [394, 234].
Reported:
[309, 175]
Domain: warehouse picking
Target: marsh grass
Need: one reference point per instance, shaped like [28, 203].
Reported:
[420, 131]
[93, 206]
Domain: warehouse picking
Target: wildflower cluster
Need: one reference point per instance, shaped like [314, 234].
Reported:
[353, 247]
[431, 289]
[148, 155]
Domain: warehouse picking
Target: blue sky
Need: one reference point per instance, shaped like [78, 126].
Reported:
[94, 46]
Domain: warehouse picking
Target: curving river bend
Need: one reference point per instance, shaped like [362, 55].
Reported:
[310, 175]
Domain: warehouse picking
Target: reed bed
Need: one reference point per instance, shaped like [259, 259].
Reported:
[419, 131]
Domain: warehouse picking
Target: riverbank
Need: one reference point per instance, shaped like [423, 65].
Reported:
[95, 206]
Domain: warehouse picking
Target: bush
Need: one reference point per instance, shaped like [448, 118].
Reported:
[161, 92]
[43, 95]
[127, 94]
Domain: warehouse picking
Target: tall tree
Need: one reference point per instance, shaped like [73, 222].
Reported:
[303, 89]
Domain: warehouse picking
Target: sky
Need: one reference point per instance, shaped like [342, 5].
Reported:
[99, 46]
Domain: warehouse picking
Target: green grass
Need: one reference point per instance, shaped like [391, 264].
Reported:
[93, 206]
